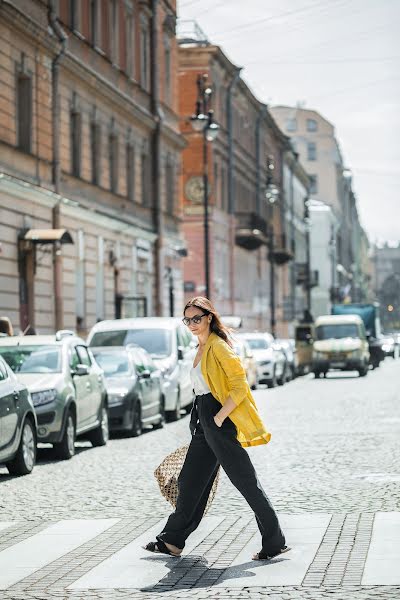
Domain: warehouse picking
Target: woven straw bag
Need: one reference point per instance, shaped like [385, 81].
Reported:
[167, 474]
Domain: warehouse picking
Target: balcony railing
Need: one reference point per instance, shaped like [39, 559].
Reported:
[251, 230]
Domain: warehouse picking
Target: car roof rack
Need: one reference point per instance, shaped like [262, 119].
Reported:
[62, 333]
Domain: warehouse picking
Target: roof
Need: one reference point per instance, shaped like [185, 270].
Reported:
[337, 319]
[134, 323]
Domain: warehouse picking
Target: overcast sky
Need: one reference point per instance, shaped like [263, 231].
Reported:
[340, 57]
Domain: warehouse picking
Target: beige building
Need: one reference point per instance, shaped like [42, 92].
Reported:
[90, 153]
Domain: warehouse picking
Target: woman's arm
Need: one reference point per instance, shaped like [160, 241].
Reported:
[232, 366]
[224, 411]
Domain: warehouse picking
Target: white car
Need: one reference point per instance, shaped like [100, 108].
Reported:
[169, 343]
[270, 360]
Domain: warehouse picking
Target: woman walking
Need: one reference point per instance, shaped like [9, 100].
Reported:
[224, 420]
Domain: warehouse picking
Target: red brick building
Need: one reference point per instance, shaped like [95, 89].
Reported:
[240, 218]
[89, 144]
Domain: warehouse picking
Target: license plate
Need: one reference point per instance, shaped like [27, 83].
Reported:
[337, 365]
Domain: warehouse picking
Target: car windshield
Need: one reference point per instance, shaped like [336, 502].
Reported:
[344, 330]
[32, 359]
[114, 364]
[258, 343]
[157, 342]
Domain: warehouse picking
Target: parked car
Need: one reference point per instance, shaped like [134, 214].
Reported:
[270, 361]
[134, 388]
[289, 348]
[340, 343]
[389, 345]
[67, 388]
[281, 358]
[246, 355]
[169, 343]
[18, 426]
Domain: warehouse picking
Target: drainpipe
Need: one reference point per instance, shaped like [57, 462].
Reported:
[231, 208]
[56, 170]
[259, 200]
[158, 217]
[292, 265]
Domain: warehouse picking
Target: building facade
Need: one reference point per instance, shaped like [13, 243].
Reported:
[90, 153]
[386, 283]
[241, 221]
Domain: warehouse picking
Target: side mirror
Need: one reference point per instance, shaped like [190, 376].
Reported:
[81, 370]
[180, 353]
[145, 374]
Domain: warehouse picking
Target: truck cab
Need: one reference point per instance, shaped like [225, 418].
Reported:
[340, 343]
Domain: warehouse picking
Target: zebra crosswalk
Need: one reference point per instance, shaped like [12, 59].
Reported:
[79, 554]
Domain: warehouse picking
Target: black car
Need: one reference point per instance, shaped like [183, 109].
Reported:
[18, 426]
[134, 388]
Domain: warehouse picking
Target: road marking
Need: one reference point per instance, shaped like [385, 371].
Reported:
[133, 567]
[24, 558]
[383, 559]
[303, 532]
[6, 524]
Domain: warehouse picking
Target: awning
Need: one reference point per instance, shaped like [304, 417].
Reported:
[48, 236]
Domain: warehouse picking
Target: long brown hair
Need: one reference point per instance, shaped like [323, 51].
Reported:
[216, 324]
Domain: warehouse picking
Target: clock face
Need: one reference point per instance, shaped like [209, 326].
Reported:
[194, 189]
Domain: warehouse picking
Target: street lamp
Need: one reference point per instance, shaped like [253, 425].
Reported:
[271, 196]
[202, 122]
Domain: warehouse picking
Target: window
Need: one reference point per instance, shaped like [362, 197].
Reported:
[33, 359]
[80, 279]
[73, 14]
[100, 280]
[114, 31]
[83, 354]
[94, 22]
[24, 112]
[130, 44]
[311, 151]
[113, 161]
[313, 184]
[291, 124]
[146, 180]
[95, 141]
[144, 56]
[312, 125]
[3, 371]
[169, 188]
[167, 55]
[76, 127]
[130, 172]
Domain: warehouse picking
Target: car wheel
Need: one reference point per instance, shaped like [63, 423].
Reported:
[161, 422]
[101, 435]
[317, 374]
[25, 459]
[271, 383]
[66, 448]
[137, 426]
[175, 415]
[364, 371]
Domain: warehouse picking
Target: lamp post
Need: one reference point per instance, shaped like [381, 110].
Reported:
[271, 196]
[203, 122]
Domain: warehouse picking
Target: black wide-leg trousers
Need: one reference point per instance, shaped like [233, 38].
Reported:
[210, 447]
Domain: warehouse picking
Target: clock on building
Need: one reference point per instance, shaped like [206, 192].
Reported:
[194, 189]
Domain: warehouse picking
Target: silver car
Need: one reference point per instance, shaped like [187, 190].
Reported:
[270, 359]
[67, 388]
[169, 343]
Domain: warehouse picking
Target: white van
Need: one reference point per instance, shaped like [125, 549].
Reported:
[171, 346]
[340, 342]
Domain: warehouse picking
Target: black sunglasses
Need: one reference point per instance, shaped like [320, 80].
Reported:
[196, 319]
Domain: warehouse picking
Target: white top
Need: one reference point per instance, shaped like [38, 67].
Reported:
[199, 383]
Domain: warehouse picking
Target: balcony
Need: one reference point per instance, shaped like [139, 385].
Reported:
[251, 230]
[282, 253]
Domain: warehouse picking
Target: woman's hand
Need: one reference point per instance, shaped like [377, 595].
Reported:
[218, 421]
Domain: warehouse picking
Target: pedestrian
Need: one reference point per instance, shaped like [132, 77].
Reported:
[224, 421]
[6, 328]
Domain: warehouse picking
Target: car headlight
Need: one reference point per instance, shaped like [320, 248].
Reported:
[116, 397]
[44, 397]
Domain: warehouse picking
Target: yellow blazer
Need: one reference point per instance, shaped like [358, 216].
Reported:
[225, 376]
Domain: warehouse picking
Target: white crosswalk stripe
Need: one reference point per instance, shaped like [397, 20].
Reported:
[131, 567]
[26, 557]
[383, 560]
[303, 534]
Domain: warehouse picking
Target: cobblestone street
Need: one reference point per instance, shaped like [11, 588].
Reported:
[331, 470]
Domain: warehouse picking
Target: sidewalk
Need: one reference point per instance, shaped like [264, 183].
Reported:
[340, 556]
